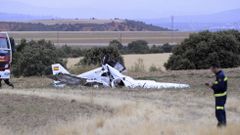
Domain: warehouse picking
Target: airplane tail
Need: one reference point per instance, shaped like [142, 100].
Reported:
[62, 77]
[58, 68]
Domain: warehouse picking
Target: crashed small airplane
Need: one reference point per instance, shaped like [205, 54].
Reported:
[107, 76]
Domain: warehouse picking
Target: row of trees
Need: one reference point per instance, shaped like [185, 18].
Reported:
[135, 47]
[94, 56]
[141, 47]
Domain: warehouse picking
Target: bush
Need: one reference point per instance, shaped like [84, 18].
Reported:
[116, 44]
[154, 68]
[69, 52]
[139, 46]
[202, 49]
[94, 56]
[34, 58]
[156, 49]
[166, 48]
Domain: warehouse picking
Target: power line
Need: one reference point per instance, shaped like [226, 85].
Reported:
[172, 29]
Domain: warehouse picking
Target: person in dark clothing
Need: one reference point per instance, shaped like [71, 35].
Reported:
[220, 92]
[7, 82]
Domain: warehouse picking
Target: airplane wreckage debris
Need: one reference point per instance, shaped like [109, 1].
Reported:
[107, 76]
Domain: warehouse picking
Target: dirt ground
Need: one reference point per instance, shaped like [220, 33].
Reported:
[34, 107]
[23, 113]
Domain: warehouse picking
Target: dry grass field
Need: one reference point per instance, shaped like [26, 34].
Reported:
[131, 60]
[71, 62]
[90, 39]
[34, 107]
[149, 60]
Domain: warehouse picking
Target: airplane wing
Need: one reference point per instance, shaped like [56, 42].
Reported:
[70, 79]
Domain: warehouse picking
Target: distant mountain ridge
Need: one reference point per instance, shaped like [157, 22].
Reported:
[223, 20]
[229, 16]
[19, 17]
[126, 25]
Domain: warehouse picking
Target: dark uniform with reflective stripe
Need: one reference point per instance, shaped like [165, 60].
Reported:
[220, 92]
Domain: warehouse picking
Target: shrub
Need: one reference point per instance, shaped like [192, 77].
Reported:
[154, 68]
[139, 46]
[166, 48]
[34, 58]
[94, 56]
[202, 49]
[69, 52]
[116, 44]
[156, 49]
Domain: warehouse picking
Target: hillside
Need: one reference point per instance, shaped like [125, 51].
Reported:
[114, 25]
[77, 21]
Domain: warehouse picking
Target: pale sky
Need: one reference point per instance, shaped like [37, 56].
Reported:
[122, 8]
